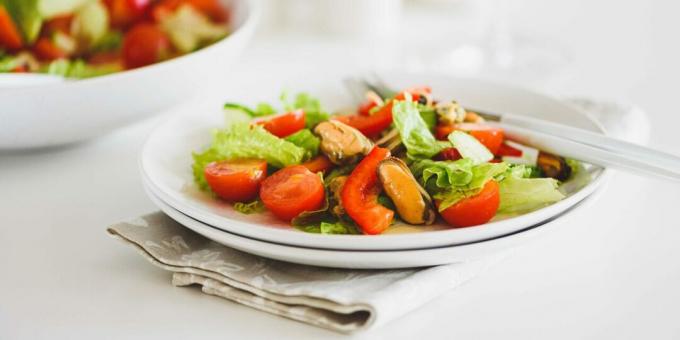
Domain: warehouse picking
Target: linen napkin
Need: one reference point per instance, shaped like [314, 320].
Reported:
[343, 300]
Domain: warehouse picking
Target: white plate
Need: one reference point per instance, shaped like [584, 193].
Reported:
[50, 113]
[367, 259]
[166, 162]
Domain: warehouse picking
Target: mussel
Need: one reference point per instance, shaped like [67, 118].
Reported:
[342, 143]
[450, 112]
[553, 166]
[413, 203]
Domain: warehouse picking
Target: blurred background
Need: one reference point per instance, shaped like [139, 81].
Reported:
[607, 49]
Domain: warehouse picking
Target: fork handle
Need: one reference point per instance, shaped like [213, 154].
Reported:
[588, 153]
[595, 140]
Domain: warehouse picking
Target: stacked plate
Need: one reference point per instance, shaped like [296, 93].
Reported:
[168, 179]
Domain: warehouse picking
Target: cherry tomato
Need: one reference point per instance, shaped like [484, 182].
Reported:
[359, 195]
[60, 23]
[143, 45]
[370, 125]
[490, 136]
[442, 131]
[449, 154]
[292, 190]
[507, 150]
[284, 124]
[10, 37]
[319, 163]
[236, 180]
[474, 210]
[124, 13]
[211, 8]
[47, 50]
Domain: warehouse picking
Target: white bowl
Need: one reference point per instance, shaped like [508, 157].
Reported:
[166, 168]
[64, 112]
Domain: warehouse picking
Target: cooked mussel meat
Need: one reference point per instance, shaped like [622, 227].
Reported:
[342, 143]
[413, 203]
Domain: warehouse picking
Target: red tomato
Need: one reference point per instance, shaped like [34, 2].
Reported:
[10, 37]
[415, 92]
[104, 58]
[292, 190]
[211, 8]
[47, 50]
[370, 125]
[143, 45]
[507, 150]
[442, 131]
[319, 163]
[474, 210]
[449, 154]
[284, 124]
[60, 23]
[236, 180]
[491, 137]
[124, 13]
[359, 195]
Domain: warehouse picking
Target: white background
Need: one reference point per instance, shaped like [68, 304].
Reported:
[614, 273]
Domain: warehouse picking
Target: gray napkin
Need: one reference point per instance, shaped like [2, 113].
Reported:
[343, 300]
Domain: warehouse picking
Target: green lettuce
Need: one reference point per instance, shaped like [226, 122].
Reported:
[245, 141]
[519, 193]
[79, 69]
[306, 140]
[481, 174]
[469, 147]
[314, 114]
[253, 207]
[261, 110]
[414, 131]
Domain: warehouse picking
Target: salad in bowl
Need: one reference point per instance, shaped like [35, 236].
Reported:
[405, 158]
[89, 38]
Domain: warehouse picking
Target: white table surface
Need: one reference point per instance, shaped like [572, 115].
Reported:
[614, 273]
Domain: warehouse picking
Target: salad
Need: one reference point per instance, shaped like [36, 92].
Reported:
[88, 38]
[407, 158]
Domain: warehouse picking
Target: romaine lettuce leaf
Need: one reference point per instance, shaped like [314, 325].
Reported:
[242, 140]
[519, 193]
[306, 140]
[469, 147]
[255, 206]
[435, 175]
[414, 132]
[481, 174]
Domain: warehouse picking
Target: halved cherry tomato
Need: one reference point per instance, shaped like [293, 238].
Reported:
[359, 195]
[449, 154]
[319, 163]
[10, 38]
[292, 190]
[370, 125]
[124, 13]
[507, 150]
[143, 45]
[284, 124]
[490, 136]
[474, 210]
[47, 50]
[236, 180]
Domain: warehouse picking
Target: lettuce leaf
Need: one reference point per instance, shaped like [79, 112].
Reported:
[255, 206]
[469, 147]
[261, 110]
[481, 174]
[520, 193]
[435, 175]
[306, 140]
[80, 69]
[242, 140]
[414, 132]
[314, 114]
